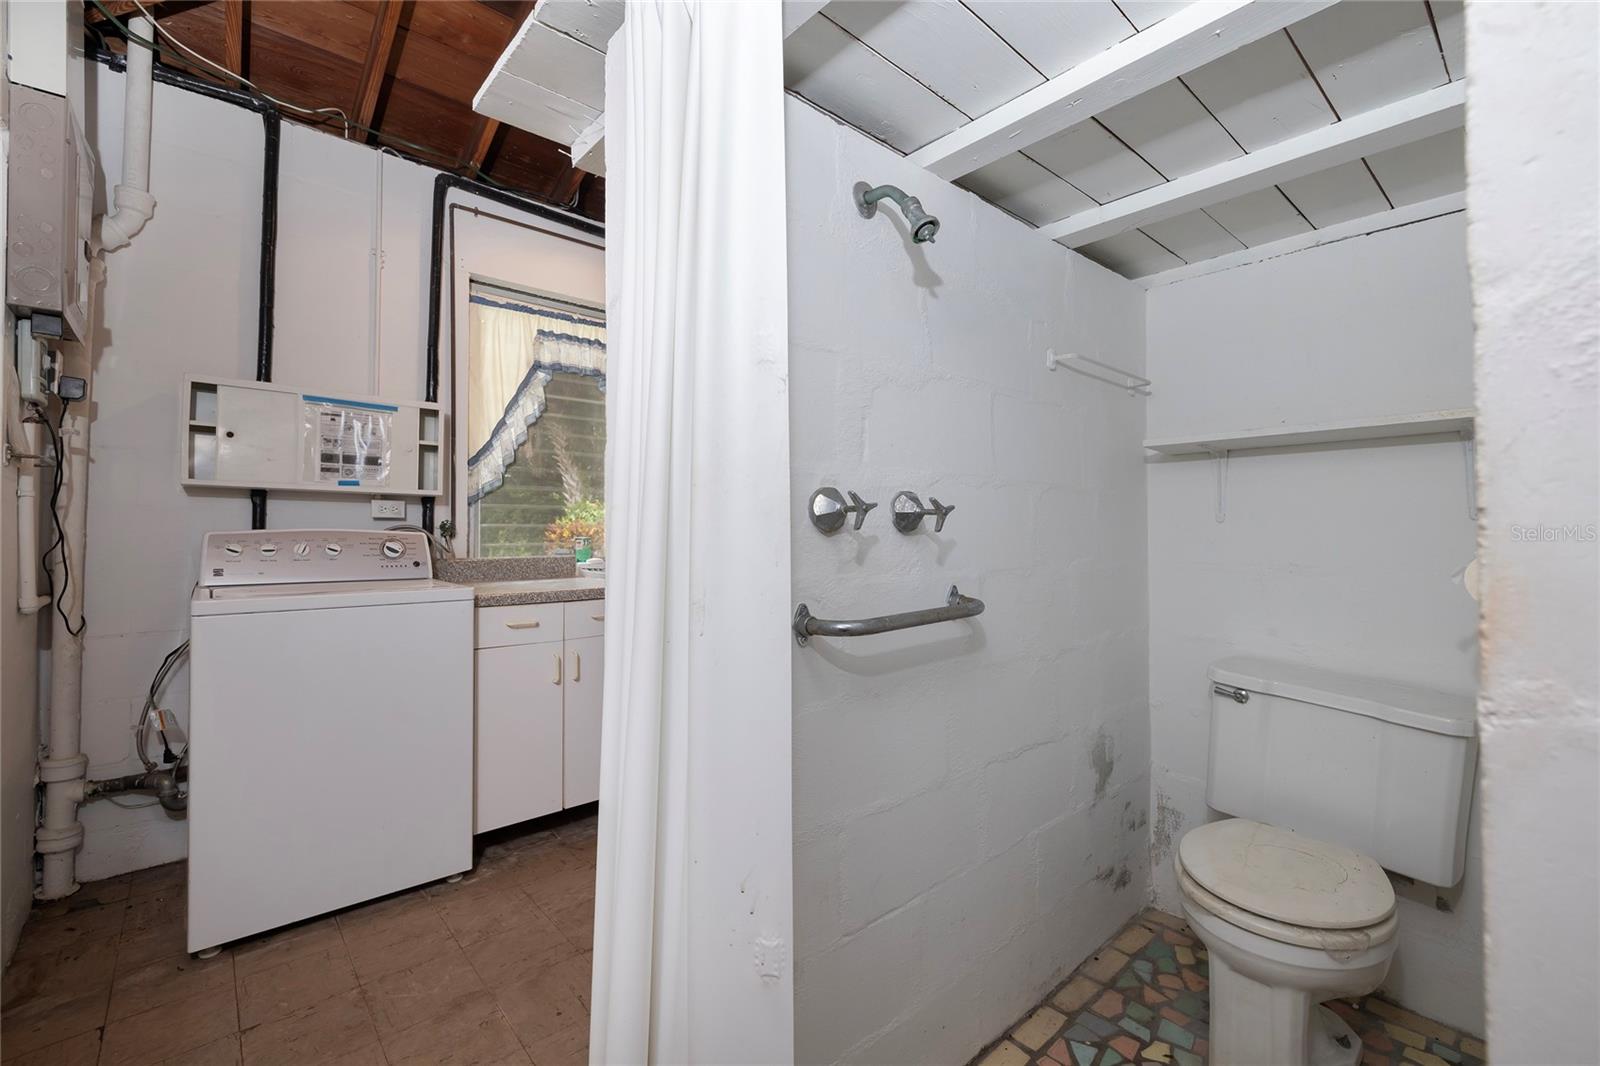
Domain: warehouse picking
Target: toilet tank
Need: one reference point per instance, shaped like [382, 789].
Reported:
[1374, 765]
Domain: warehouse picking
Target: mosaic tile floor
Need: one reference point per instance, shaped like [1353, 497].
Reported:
[1142, 998]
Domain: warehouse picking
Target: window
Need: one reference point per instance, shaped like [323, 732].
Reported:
[537, 429]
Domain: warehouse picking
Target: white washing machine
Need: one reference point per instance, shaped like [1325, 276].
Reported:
[330, 756]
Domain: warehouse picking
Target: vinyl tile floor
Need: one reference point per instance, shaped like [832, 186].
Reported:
[492, 969]
[1143, 998]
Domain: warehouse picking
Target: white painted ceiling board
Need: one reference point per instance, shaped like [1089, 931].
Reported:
[1131, 254]
[590, 21]
[560, 64]
[1194, 236]
[1171, 130]
[1259, 217]
[1261, 93]
[944, 46]
[844, 77]
[1424, 169]
[1448, 18]
[534, 108]
[1094, 161]
[1146, 13]
[1336, 195]
[1055, 37]
[1366, 54]
[1026, 189]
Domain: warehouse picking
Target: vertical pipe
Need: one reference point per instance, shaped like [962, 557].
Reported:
[271, 129]
[62, 770]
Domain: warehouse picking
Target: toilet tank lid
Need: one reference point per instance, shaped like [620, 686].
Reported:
[1447, 713]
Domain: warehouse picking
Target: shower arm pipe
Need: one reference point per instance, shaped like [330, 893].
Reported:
[923, 225]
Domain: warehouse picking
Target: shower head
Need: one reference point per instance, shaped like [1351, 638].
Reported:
[923, 225]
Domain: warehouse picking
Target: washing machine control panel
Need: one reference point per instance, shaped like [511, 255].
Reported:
[294, 556]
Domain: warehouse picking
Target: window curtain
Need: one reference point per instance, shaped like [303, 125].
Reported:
[694, 893]
[516, 347]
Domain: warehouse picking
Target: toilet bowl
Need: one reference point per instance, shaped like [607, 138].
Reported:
[1288, 921]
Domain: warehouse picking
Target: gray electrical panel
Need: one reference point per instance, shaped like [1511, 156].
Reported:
[49, 212]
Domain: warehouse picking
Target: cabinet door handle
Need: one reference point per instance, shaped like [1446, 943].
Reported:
[522, 625]
[598, 617]
[577, 668]
[557, 679]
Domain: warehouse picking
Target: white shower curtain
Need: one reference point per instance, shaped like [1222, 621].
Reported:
[694, 900]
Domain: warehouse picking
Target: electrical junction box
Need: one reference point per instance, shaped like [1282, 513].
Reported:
[50, 171]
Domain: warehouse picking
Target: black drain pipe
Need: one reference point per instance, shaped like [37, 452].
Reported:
[272, 124]
[441, 190]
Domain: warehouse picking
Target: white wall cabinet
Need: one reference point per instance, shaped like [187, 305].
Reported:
[538, 694]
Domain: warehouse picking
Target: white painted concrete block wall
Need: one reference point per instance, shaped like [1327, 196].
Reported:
[182, 299]
[1338, 557]
[1536, 267]
[970, 800]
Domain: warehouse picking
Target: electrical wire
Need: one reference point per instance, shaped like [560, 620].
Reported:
[59, 595]
[321, 113]
[142, 730]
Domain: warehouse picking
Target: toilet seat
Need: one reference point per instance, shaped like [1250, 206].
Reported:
[1286, 886]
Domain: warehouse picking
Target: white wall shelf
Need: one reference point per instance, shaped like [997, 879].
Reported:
[1458, 421]
[262, 435]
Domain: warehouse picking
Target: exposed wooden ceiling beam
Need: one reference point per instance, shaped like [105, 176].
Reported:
[1382, 128]
[385, 26]
[483, 133]
[1190, 38]
[484, 128]
[237, 15]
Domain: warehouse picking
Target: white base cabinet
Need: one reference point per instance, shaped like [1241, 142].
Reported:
[538, 694]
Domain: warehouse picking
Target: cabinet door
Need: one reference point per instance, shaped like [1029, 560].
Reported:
[256, 436]
[586, 668]
[518, 763]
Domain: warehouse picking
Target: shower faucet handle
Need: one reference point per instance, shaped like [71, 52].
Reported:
[828, 509]
[859, 507]
[909, 512]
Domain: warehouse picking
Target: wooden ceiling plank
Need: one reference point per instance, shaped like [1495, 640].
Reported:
[1055, 37]
[1171, 130]
[1178, 44]
[1093, 160]
[1131, 254]
[385, 27]
[1261, 93]
[1026, 189]
[1365, 55]
[1412, 119]
[943, 45]
[830, 68]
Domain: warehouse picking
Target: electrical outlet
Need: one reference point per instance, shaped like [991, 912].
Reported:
[389, 510]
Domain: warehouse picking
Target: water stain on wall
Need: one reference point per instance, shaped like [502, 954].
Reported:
[1168, 827]
[1103, 756]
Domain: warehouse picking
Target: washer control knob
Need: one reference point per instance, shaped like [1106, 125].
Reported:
[232, 551]
[393, 548]
[301, 549]
[333, 549]
[267, 550]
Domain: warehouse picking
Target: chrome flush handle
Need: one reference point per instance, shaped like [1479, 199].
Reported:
[1237, 695]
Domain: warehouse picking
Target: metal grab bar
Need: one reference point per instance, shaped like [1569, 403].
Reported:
[956, 607]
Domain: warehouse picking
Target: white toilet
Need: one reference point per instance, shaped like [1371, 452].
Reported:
[1332, 779]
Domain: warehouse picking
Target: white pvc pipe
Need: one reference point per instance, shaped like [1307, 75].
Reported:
[62, 770]
[134, 204]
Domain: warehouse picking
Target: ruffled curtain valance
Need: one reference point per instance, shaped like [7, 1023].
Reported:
[516, 347]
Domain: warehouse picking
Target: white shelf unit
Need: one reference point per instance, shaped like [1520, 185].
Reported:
[1458, 421]
[254, 435]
